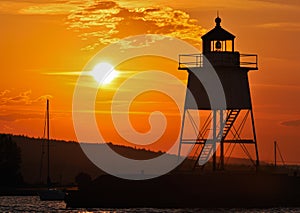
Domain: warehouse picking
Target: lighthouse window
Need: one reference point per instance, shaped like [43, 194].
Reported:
[218, 46]
[222, 46]
[229, 46]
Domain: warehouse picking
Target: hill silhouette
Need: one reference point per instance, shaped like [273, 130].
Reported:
[67, 159]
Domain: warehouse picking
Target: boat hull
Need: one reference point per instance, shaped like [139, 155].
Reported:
[51, 195]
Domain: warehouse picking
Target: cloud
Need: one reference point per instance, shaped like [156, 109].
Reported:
[49, 9]
[71, 73]
[23, 98]
[141, 42]
[285, 26]
[17, 116]
[41, 2]
[6, 128]
[105, 22]
[288, 3]
[4, 92]
[15, 107]
[291, 123]
[233, 5]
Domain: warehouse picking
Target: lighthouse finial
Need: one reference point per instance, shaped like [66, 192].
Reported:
[218, 20]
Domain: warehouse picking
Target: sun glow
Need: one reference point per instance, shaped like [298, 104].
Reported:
[104, 73]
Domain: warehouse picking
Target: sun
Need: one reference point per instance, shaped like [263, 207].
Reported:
[104, 73]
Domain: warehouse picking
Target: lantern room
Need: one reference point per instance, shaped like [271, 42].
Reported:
[218, 39]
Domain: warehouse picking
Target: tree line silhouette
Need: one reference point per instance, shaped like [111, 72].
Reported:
[10, 162]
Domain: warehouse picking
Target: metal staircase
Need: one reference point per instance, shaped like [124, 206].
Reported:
[231, 117]
[209, 145]
[206, 153]
[198, 147]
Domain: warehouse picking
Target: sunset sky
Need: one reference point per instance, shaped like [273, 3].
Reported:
[46, 44]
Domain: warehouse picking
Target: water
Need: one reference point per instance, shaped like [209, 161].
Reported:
[33, 204]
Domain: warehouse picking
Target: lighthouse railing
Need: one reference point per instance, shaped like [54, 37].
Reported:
[249, 61]
[190, 61]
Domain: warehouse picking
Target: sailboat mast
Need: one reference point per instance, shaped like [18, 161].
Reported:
[275, 154]
[48, 146]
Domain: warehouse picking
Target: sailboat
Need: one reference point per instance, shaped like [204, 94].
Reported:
[51, 193]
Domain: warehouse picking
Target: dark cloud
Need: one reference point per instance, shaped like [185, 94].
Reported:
[292, 123]
[124, 12]
[151, 10]
[101, 5]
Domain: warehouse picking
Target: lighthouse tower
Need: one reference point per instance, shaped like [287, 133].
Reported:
[232, 69]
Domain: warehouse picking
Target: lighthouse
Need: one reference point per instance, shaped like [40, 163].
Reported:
[227, 123]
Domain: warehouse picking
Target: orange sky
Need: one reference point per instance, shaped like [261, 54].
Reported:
[45, 45]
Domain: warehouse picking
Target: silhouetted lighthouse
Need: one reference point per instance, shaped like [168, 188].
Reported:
[232, 69]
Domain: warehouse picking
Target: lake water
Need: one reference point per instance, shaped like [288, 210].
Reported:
[33, 204]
